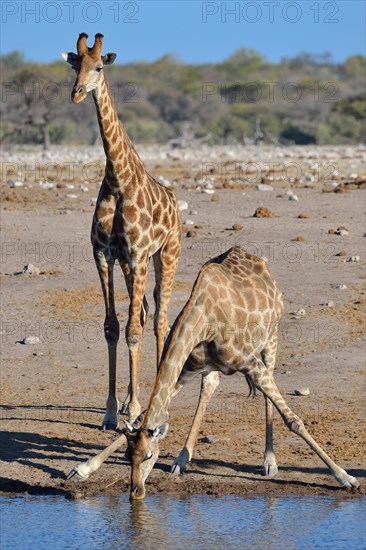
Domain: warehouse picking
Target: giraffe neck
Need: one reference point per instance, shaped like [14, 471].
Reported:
[185, 335]
[122, 160]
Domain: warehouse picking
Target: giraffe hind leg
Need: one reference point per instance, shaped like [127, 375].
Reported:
[270, 467]
[266, 384]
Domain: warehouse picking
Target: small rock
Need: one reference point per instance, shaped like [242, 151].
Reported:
[30, 269]
[70, 186]
[215, 198]
[182, 205]
[208, 191]
[71, 196]
[264, 187]
[237, 227]
[302, 391]
[342, 253]
[354, 259]
[38, 354]
[303, 216]
[209, 439]
[30, 340]
[342, 231]
[198, 226]
[192, 233]
[299, 239]
[263, 212]
[330, 303]
[341, 287]
[293, 198]
[189, 222]
[299, 313]
[193, 212]
[331, 231]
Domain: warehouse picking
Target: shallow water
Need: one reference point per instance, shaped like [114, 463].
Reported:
[167, 522]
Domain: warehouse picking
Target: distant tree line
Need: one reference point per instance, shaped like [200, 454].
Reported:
[306, 99]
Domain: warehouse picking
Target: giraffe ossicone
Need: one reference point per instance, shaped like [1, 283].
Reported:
[135, 218]
[234, 289]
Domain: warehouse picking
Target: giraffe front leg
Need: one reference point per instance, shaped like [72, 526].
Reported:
[266, 384]
[208, 386]
[111, 333]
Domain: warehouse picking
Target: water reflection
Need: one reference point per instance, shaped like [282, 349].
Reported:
[183, 522]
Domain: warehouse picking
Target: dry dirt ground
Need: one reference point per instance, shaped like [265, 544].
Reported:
[53, 393]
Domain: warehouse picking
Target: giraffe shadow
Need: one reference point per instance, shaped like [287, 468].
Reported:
[64, 414]
[204, 467]
[29, 449]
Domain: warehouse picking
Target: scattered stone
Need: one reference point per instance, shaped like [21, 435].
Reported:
[193, 212]
[189, 222]
[354, 259]
[342, 253]
[30, 340]
[13, 184]
[237, 227]
[208, 191]
[341, 287]
[70, 186]
[303, 216]
[71, 196]
[198, 226]
[331, 231]
[215, 198]
[263, 212]
[192, 233]
[293, 198]
[31, 269]
[264, 187]
[264, 259]
[38, 354]
[342, 231]
[299, 313]
[302, 391]
[182, 205]
[298, 239]
[210, 439]
[330, 303]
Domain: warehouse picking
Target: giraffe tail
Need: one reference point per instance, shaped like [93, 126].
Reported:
[252, 389]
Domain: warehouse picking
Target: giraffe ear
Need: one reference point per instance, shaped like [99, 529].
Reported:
[109, 58]
[160, 431]
[69, 57]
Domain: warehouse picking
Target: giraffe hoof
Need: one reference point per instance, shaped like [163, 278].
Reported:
[124, 408]
[177, 469]
[270, 470]
[77, 475]
[351, 484]
[109, 425]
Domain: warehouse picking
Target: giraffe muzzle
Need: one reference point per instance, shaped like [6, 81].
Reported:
[78, 93]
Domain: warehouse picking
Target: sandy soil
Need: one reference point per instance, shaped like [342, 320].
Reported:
[53, 393]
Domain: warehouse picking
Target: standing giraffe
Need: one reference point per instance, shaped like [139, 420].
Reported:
[228, 325]
[135, 218]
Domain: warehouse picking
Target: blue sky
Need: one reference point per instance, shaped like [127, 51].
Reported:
[194, 31]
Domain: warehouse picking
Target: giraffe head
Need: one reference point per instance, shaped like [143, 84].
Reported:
[142, 452]
[88, 64]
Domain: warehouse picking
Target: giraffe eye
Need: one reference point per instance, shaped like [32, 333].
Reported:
[148, 456]
[99, 69]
